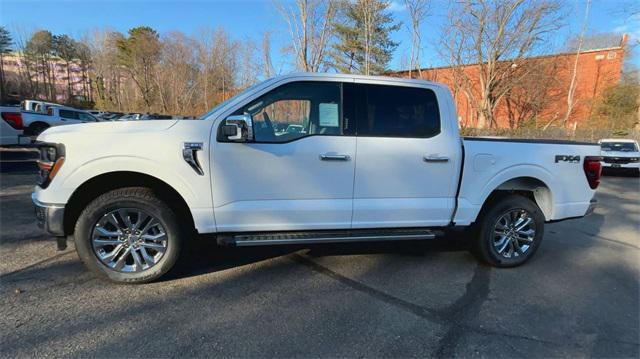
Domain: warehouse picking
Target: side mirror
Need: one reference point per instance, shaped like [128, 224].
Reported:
[238, 128]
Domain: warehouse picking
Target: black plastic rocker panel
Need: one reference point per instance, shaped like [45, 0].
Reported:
[281, 238]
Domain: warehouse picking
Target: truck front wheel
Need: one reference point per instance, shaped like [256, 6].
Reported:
[129, 235]
[509, 231]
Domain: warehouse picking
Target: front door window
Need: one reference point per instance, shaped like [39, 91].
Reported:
[294, 111]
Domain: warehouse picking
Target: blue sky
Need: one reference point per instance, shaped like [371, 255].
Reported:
[250, 19]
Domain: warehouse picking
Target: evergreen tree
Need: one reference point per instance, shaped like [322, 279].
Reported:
[363, 37]
[38, 50]
[65, 48]
[5, 47]
[139, 54]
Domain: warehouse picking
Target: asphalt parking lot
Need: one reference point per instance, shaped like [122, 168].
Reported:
[578, 297]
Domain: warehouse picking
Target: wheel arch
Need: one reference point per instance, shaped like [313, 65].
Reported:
[531, 187]
[102, 183]
[33, 124]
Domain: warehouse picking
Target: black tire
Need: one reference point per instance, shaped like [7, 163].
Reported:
[487, 239]
[135, 198]
[36, 129]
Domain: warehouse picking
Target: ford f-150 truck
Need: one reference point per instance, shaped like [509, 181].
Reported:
[618, 153]
[35, 122]
[374, 158]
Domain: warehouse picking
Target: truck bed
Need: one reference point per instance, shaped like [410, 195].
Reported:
[553, 166]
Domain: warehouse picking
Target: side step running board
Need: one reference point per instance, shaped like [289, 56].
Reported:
[267, 239]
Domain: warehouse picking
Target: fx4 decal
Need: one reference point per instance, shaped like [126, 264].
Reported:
[567, 158]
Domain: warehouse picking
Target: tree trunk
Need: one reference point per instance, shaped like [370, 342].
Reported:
[3, 93]
[69, 91]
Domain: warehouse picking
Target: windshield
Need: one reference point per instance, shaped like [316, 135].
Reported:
[619, 146]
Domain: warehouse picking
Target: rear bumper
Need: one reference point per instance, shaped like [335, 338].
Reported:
[49, 217]
[592, 206]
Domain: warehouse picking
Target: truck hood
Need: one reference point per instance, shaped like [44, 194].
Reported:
[114, 127]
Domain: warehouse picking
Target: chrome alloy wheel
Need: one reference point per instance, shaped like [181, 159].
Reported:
[513, 233]
[129, 240]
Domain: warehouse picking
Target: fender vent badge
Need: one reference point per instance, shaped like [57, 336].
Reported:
[189, 150]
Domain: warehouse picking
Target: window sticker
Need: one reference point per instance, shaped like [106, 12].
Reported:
[329, 115]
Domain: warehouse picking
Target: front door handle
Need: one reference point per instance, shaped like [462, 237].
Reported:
[327, 157]
[435, 159]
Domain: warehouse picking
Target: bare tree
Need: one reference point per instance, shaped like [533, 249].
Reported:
[418, 10]
[574, 70]
[496, 37]
[527, 99]
[310, 27]
[176, 75]
[249, 68]
[108, 77]
[29, 82]
[266, 55]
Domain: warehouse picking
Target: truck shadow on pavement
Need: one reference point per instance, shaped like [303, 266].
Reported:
[203, 255]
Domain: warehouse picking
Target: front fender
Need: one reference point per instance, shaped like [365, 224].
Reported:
[103, 165]
[193, 188]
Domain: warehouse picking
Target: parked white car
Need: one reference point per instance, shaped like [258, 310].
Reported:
[97, 113]
[130, 117]
[620, 153]
[36, 122]
[379, 159]
[37, 105]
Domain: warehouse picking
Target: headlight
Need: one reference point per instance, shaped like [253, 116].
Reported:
[49, 163]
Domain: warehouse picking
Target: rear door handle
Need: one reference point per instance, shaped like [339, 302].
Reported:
[435, 159]
[327, 157]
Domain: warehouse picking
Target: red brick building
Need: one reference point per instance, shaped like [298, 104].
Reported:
[542, 97]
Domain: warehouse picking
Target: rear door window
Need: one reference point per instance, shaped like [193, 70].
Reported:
[69, 115]
[395, 111]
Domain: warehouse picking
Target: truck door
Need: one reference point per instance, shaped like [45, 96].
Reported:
[407, 170]
[68, 117]
[298, 171]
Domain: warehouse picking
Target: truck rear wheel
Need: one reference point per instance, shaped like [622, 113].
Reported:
[36, 129]
[129, 235]
[509, 231]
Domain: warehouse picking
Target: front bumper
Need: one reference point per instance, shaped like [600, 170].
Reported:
[49, 217]
[621, 165]
[619, 162]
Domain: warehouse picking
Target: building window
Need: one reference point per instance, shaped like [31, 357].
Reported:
[611, 55]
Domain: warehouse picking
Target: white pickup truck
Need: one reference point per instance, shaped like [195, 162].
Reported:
[377, 159]
[49, 115]
[622, 154]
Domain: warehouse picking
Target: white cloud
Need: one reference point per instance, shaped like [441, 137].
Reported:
[631, 27]
[396, 6]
